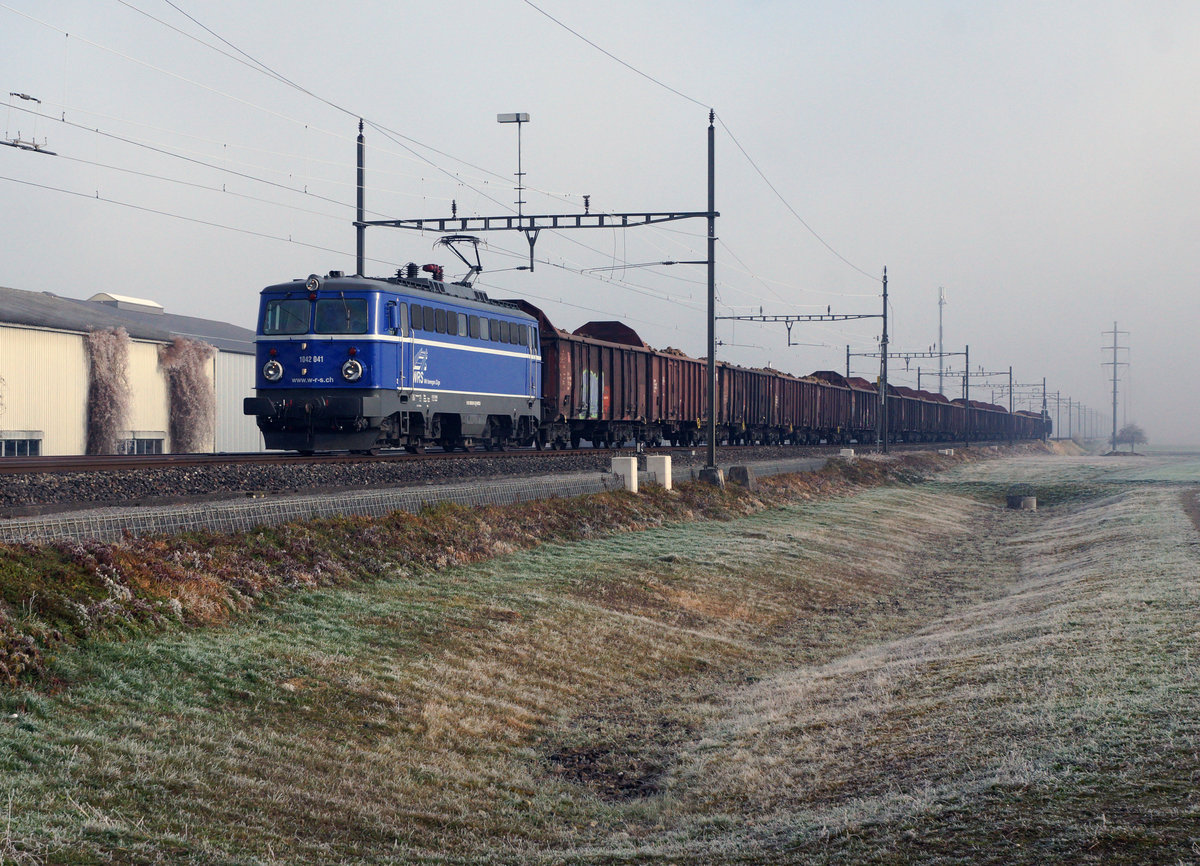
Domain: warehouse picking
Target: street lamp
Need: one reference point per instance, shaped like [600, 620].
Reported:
[518, 118]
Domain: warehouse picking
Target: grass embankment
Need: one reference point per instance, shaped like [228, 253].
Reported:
[906, 673]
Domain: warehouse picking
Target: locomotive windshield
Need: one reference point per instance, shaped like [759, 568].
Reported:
[333, 316]
[286, 317]
[342, 316]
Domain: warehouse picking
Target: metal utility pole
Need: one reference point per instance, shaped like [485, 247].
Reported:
[941, 348]
[967, 392]
[711, 462]
[1115, 364]
[519, 118]
[360, 227]
[883, 377]
[1045, 413]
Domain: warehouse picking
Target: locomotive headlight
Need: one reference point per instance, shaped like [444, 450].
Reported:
[272, 371]
[352, 370]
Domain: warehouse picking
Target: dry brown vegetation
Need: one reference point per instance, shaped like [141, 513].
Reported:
[108, 390]
[190, 392]
[897, 674]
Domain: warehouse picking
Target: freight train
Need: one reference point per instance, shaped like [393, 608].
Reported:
[356, 363]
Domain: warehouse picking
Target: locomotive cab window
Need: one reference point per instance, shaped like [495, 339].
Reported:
[288, 316]
[396, 318]
[342, 316]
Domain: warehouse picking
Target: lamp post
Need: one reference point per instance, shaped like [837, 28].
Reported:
[518, 118]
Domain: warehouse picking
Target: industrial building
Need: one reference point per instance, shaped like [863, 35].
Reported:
[113, 374]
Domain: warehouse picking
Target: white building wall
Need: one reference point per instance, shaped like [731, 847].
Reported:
[148, 406]
[234, 380]
[44, 393]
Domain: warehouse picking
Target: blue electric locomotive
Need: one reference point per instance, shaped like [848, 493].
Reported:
[350, 362]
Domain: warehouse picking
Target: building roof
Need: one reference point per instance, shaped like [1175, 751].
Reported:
[47, 310]
[124, 302]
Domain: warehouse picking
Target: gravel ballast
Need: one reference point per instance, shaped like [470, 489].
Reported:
[51, 492]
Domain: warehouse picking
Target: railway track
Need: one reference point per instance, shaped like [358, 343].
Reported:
[119, 462]
[123, 462]
[41, 485]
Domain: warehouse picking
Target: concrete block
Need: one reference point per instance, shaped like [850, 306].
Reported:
[626, 467]
[949, 452]
[660, 465]
[1023, 497]
[846, 452]
[713, 476]
[743, 476]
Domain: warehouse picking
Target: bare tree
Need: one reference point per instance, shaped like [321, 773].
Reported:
[1132, 434]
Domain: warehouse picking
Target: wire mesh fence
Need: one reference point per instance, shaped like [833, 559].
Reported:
[112, 524]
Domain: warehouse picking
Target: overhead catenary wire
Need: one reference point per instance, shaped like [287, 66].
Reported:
[720, 120]
[397, 138]
[96, 196]
[279, 238]
[168, 153]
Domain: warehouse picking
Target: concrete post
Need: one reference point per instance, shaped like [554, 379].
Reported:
[626, 467]
[660, 465]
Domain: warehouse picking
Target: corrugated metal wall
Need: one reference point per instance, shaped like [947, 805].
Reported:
[234, 379]
[45, 383]
[45, 377]
[148, 406]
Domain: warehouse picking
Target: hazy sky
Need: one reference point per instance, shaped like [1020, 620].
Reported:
[1035, 159]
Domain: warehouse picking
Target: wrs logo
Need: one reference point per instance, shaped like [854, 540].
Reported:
[421, 368]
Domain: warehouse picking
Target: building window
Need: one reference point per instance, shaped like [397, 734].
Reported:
[141, 446]
[20, 447]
